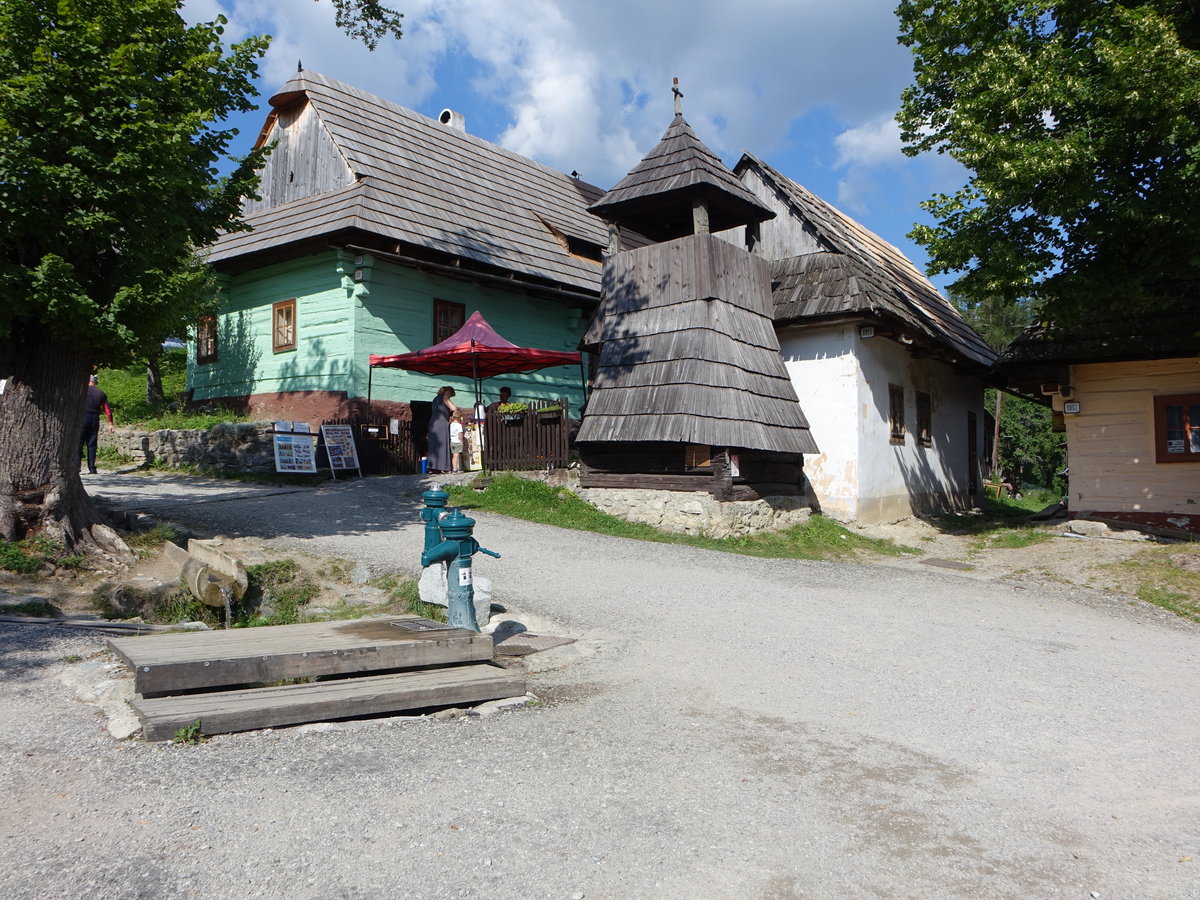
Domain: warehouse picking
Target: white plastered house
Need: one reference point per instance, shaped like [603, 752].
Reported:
[887, 371]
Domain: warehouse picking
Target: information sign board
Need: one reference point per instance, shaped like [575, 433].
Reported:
[339, 446]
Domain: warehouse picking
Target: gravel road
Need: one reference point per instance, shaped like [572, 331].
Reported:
[732, 727]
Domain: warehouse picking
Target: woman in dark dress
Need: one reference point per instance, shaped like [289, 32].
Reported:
[438, 452]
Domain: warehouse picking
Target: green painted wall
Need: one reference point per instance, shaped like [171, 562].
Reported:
[341, 322]
[246, 364]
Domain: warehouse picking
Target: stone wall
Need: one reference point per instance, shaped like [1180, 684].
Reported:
[685, 512]
[239, 447]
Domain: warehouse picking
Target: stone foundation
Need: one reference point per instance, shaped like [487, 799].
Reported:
[697, 513]
[238, 447]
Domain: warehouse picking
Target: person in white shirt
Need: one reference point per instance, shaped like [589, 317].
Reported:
[456, 442]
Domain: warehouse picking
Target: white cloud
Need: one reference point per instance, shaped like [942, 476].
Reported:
[871, 143]
[587, 85]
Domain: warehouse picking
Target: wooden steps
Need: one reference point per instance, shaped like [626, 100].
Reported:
[180, 678]
[221, 712]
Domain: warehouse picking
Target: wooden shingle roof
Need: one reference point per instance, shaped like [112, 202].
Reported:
[688, 352]
[859, 273]
[421, 183]
[653, 198]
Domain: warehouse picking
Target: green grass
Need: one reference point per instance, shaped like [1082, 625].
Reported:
[404, 596]
[38, 609]
[1010, 539]
[32, 554]
[189, 734]
[126, 390]
[151, 538]
[1165, 576]
[521, 498]
[280, 584]
[181, 606]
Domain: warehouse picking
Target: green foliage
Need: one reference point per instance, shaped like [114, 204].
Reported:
[151, 538]
[189, 734]
[404, 596]
[1011, 539]
[32, 554]
[281, 584]
[39, 609]
[1166, 577]
[1030, 451]
[1080, 124]
[181, 606]
[367, 20]
[107, 162]
[819, 538]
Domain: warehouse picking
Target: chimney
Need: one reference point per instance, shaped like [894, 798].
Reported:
[453, 119]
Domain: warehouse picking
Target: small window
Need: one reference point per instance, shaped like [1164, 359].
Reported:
[283, 328]
[447, 318]
[206, 339]
[1177, 428]
[924, 420]
[896, 412]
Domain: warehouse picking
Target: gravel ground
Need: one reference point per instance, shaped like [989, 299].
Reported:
[730, 727]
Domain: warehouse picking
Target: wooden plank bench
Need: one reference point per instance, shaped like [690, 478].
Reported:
[169, 663]
[270, 707]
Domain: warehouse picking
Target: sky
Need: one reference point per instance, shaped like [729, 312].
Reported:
[810, 86]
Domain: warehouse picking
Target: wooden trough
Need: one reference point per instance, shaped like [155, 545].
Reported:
[372, 667]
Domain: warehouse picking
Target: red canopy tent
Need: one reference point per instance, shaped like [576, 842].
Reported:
[475, 350]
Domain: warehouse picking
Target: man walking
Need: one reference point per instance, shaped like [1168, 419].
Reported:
[96, 401]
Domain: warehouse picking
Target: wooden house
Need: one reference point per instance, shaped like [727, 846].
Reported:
[379, 230]
[690, 392]
[1127, 393]
[889, 374]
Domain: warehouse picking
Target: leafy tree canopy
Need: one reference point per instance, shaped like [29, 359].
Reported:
[1080, 123]
[107, 155]
[367, 20]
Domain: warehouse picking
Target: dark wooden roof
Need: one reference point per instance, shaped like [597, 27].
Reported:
[655, 198]
[691, 357]
[428, 185]
[1166, 334]
[860, 273]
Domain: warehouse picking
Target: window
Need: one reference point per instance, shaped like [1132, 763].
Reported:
[924, 420]
[283, 326]
[1177, 428]
[896, 412]
[447, 318]
[206, 339]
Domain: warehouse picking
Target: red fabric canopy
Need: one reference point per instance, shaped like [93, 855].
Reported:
[475, 351]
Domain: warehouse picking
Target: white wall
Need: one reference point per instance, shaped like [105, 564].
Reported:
[842, 382]
[824, 372]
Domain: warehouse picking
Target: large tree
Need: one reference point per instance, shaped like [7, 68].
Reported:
[107, 187]
[1079, 121]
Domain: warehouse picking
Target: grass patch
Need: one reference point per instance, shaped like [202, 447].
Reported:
[37, 609]
[30, 555]
[71, 658]
[1165, 576]
[521, 498]
[404, 596]
[180, 606]
[111, 458]
[189, 734]
[151, 539]
[281, 586]
[1010, 539]
[126, 390]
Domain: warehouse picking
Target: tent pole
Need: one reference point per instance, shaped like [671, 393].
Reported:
[370, 377]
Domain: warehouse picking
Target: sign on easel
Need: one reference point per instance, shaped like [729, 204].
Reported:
[339, 447]
[294, 452]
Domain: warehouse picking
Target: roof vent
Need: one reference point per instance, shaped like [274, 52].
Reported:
[453, 119]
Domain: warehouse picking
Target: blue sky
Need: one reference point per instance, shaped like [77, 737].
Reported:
[811, 86]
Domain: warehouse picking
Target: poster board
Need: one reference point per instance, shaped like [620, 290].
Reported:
[339, 447]
[294, 453]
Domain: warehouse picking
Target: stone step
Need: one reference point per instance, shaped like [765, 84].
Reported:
[294, 704]
[172, 663]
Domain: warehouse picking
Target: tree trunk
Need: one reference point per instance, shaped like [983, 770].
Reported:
[41, 420]
[154, 388]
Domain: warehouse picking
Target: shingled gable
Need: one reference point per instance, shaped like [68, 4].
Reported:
[399, 181]
[688, 353]
[650, 198]
[858, 272]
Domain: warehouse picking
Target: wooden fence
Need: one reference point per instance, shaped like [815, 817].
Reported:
[536, 439]
[379, 451]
